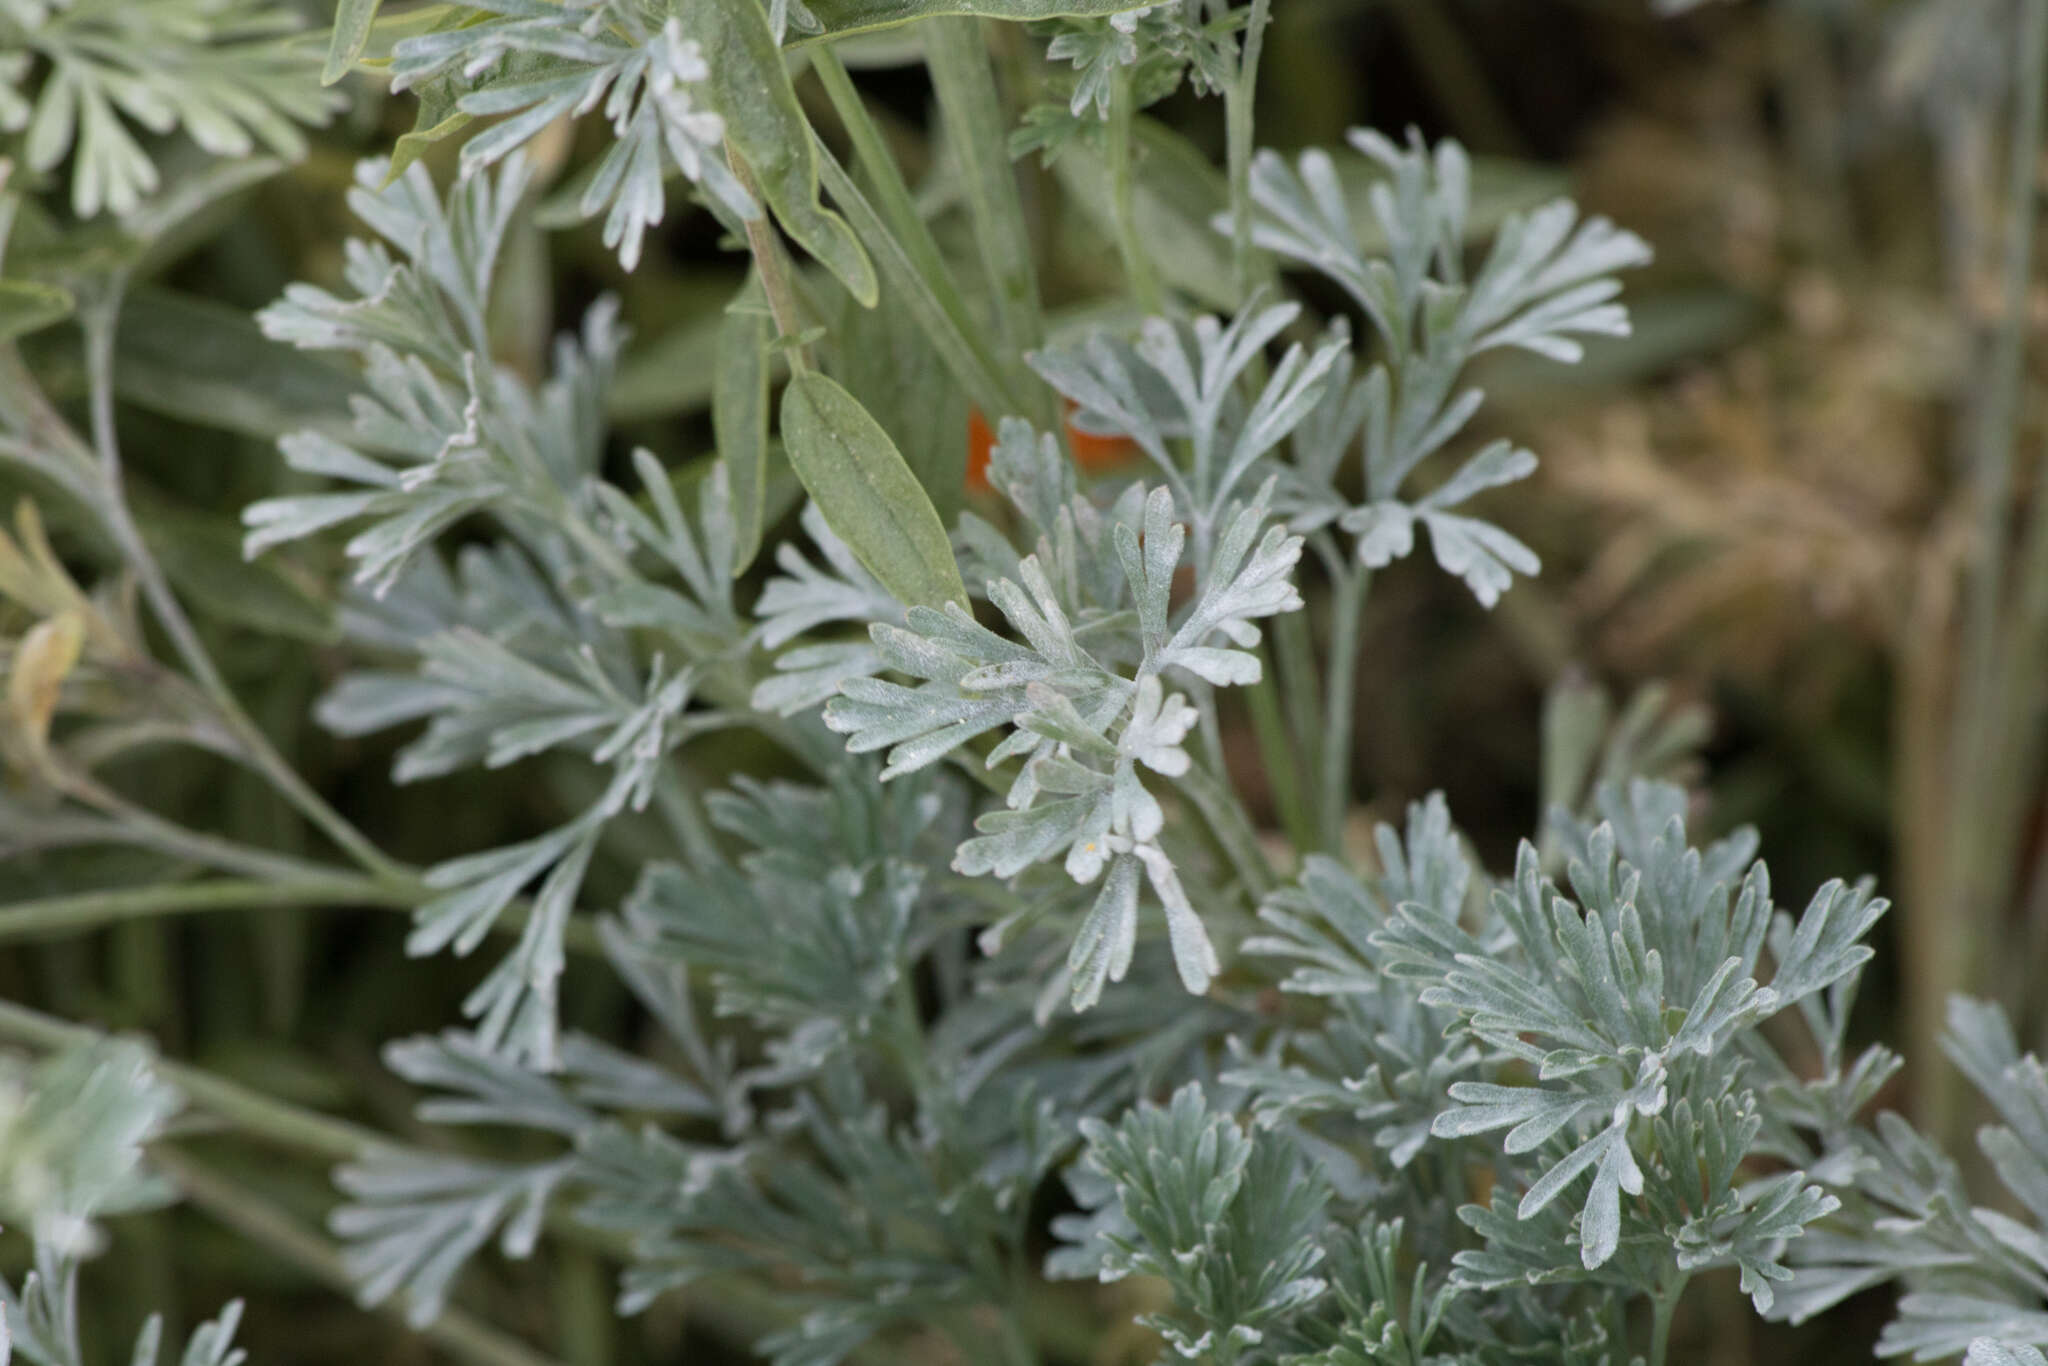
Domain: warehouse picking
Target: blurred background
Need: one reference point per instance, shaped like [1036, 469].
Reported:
[1772, 501]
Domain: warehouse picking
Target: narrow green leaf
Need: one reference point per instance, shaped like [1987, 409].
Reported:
[28, 306]
[739, 420]
[885, 360]
[857, 16]
[962, 348]
[209, 364]
[765, 127]
[352, 20]
[977, 131]
[867, 493]
[438, 119]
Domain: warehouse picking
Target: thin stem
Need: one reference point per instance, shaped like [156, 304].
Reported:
[1138, 271]
[1346, 609]
[275, 1122]
[142, 827]
[99, 322]
[1238, 105]
[1301, 694]
[262, 1223]
[1292, 795]
[1013, 1342]
[1998, 416]
[274, 882]
[771, 264]
[1662, 1306]
[62, 915]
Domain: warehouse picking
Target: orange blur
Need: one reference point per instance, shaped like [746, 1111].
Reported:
[1091, 452]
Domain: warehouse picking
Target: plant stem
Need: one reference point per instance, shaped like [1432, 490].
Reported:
[273, 1121]
[771, 264]
[262, 1223]
[60, 915]
[1138, 271]
[1662, 1306]
[1015, 1344]
[99, 321]
[1293, 797]
[1238, 105]
[1340, 678]
[1301, 693]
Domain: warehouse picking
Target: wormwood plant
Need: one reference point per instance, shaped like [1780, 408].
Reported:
[980, 973]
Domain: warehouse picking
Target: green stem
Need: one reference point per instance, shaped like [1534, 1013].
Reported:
[61, 915]
[272, 1121]
[910, 239]
[1662, 1306]
[139, 826]
[1301, 694]
[1293, 798]
[1998, 416]
[1138, 270]
[1346, 609]
[262, 1223]
[1239, 102]
[99, 322]
[871, 153]
[1013, 1342]
[294, 885]
[771, 264]
[1460, 84]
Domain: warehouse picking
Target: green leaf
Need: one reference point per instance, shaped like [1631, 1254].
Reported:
[885, 360]
[977, 133]
[739, 420]
[27, 306]
[352, 20]
[765, 128]
[438, 120]
[867, 493]
[209, 364]
[858, 16]
[909, 289]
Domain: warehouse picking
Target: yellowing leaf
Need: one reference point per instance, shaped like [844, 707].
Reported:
[42, 662]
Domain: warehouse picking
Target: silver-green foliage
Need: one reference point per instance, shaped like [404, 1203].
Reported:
[1013, 736]
[73, 1131]
[529, 652]
[99, 69]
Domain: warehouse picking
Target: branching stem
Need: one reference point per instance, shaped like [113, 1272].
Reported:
[99, 319]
